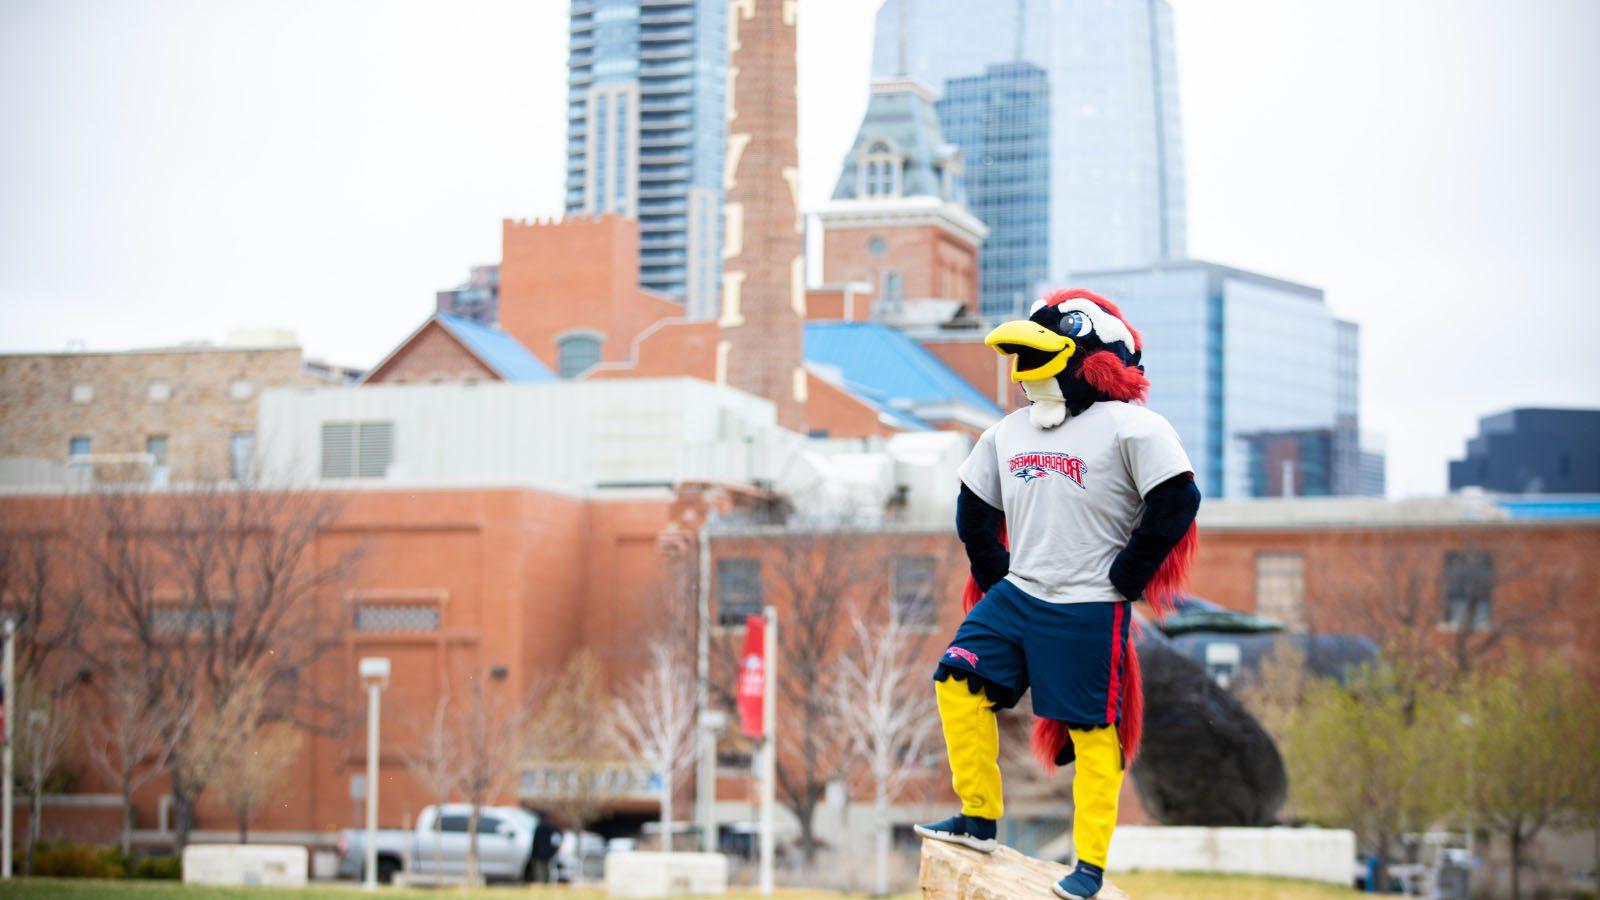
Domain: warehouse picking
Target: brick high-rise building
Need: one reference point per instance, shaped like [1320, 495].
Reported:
[763, 279]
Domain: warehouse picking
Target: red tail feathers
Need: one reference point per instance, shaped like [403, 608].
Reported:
[1131, 727]
[1049, 736]
[1173, 575]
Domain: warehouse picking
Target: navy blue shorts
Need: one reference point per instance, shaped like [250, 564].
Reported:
[1070, 654]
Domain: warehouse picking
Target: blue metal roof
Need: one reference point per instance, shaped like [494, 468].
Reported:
[498, 349]
[889, 369]
[1576, 507]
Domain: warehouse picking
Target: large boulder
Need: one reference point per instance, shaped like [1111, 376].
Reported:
[952, 872]
[1205, 760]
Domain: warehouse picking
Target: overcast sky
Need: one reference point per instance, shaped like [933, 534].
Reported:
[173, 170]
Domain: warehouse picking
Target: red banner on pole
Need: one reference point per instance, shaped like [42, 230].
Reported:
[752, 686]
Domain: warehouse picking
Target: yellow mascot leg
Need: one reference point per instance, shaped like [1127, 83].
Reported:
[1096, 782]
[972, 739]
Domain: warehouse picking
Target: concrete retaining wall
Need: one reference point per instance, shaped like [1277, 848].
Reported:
[273, 865]
[1313, 853]
[666, 874]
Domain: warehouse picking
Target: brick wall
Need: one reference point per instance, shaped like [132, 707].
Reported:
[981, 367]
[434, 355]
[578, 275]
[932, 262]
[198, 398]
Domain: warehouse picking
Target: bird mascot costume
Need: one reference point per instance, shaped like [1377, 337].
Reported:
[1098, 500]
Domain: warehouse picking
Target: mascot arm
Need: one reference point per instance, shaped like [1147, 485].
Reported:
[1170, 508]
[978, 525]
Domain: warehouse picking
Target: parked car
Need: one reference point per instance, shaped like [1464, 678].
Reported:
[437, 846]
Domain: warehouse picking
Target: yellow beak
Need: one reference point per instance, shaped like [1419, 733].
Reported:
[1044, 352]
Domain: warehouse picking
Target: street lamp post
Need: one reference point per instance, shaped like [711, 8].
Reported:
[8, 707]
[375, 675]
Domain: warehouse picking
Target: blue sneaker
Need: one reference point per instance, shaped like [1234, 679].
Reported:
[1083, 883]
[968, 831]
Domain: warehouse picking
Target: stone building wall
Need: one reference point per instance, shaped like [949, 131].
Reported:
[197, 398]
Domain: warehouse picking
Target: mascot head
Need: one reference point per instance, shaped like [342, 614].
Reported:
[1074, 349]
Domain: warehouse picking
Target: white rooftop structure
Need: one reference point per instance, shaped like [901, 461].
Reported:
[583, 437]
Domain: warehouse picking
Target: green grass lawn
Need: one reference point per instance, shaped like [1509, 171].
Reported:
[1139, 885]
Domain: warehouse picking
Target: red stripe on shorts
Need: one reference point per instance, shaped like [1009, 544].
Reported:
[1116, 663]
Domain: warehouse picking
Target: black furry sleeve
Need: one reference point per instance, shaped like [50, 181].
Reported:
[978, 526]
[1169, 510]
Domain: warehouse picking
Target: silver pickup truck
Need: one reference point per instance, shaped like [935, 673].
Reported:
[438, 845]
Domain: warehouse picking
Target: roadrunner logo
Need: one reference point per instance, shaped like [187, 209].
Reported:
[966, 656]
[1033, 466]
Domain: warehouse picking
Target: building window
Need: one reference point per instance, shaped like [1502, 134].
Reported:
[241, 390]
[911, 591]
[357, 449]
[82, 393]
[396, 617]
[738, 591]
[1281, 588]
[160, 392]
[1468, 588]
[893, 289]
[170, 620]
[155, 446]
[877, 246]
[241, 454]
[880, 171]
[576, 354]
[79, 445]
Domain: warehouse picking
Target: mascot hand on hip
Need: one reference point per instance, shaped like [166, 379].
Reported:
[1098, 499]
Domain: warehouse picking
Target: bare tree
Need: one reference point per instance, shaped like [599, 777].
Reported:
[432, 761]
[654, 720]
[882, 704]
[43, 726]
[820, 576]
[490, 732]
[205, 590]
[567, 733]
[47, 607]
[251, 754]
[132, 740]
[1445, 602]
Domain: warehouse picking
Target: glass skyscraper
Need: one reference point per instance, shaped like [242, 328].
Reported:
[1257, 375]
[1117, 194]
[646, 84]
[1001, 122]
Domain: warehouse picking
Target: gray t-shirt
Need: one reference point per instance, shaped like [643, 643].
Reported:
[1072, 494]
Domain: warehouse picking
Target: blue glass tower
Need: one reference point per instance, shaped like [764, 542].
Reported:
[646, 83]
[1117, 190]
[1001, 122]
[1254, 372]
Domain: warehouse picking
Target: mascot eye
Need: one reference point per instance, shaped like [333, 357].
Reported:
[1037, 305]
[1076, 324]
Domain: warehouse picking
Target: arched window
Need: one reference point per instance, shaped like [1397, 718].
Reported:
[879, 166]
[576, 354]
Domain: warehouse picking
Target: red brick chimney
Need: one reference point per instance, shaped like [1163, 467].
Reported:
[763, 279]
